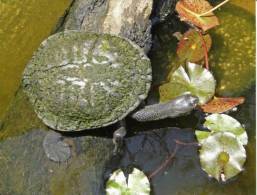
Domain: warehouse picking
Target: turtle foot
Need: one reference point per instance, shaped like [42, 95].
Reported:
[118, 136]
[56, 149]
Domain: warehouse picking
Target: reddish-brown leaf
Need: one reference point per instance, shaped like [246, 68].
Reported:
[220, 105]
[190, 11]
[190, 46]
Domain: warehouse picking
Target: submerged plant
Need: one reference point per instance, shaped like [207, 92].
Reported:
[199, 14]
[191, 48]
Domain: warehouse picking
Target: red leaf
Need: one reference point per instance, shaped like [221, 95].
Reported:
[220, 105]
[190, 11]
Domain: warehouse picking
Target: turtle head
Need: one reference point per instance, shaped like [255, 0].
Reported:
[192, 100]
[185, 103]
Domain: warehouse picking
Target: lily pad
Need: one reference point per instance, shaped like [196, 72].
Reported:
[190, 46]
[223, 122]
[190, 11]
[137, 183]
[219, 105]
[202, 135]
[222, 156]
[193, 79]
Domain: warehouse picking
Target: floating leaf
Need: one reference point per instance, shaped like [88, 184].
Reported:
[223, 122]
[190, 11]
[137, 183]
[201, 135]
[222, 156]
[219, 105]
[193, 80]
[190, 46]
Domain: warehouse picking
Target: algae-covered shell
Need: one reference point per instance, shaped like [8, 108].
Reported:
[78, 80]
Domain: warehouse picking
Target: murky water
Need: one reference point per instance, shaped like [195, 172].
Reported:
[23, 25]
[248, 5]
[146, 149]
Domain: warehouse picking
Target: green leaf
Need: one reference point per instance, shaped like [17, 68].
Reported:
[195, 80]
[201, 135]
[137, 183]
[222, 156]
[223, 122]
[190, 11]
[190, 46]
[116, 183]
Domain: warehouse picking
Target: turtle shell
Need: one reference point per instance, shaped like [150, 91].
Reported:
[78, 80]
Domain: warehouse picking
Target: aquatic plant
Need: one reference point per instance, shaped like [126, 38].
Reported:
[222, 154]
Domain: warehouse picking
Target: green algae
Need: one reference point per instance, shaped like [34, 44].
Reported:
[75, 85]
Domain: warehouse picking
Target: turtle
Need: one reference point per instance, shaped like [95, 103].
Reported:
[78, 81]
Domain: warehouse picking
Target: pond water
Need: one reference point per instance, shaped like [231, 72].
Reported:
[23, 25]
[150, 143]
[235, 77]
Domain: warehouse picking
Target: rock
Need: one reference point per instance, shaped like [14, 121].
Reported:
[25, 170]
[128, 19]
[163, 9]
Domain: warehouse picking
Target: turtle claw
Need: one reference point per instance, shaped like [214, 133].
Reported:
[55, 148]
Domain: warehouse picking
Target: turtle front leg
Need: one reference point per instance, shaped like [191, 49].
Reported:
[55, 147]
[179, 106]
[118, 136]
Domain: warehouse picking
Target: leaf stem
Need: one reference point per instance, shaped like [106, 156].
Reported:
[165, 163]
[171, 156]
[213, 9]
[205, 51]
[186, 143]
